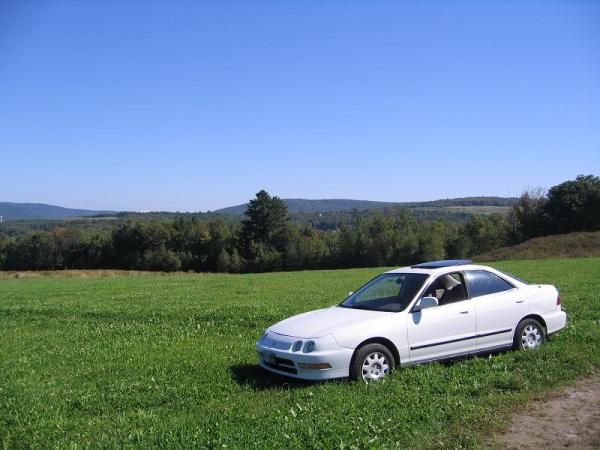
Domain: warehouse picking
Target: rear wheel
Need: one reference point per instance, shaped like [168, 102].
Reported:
[530, 335]
[371, 362]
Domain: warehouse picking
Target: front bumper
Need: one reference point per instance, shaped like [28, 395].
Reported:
[275, 354]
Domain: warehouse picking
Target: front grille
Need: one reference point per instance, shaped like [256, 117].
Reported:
[283, 364]
[282, 368]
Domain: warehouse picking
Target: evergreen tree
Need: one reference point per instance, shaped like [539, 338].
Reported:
[264, 229]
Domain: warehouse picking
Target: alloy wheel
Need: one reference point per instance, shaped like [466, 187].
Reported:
[375, 367]
[531, 338]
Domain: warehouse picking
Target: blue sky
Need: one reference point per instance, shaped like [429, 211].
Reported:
[147, 105]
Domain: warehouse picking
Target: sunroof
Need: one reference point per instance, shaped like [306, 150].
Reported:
[443, 263]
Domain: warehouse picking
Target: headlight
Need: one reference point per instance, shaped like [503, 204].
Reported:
[309, 347]
[297, 346]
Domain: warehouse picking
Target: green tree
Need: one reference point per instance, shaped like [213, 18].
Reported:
[90, 251]
[305, 249]
[484, 233]
[140, 245]
[263, 232]
[574, 205]
[35, 251]
[432, 241]
[347, 254]
[3, 251]
[217, 254]
[236, 263]
[223, 261]
[527, 217]
[159, 258]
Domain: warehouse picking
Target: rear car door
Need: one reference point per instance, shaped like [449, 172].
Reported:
[446, 330]
[499, 305]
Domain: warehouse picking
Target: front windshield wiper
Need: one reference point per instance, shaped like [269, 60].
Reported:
[357, 307]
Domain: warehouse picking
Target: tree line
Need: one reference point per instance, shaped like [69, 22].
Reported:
[570, 206]
[267, 239]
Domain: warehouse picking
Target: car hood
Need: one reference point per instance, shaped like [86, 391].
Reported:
[322, 322]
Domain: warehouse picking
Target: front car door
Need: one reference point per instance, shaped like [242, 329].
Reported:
[499, 306]
[446, 330]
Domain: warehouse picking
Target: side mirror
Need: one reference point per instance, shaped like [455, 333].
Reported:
[424, 303]
[350, 293]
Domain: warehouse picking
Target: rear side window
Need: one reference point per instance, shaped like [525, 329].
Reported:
[482, 282]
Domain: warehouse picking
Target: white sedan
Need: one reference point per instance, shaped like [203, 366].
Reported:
[430, 311]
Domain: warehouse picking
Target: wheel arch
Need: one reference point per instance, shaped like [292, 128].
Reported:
[534, 316]
[383, 341]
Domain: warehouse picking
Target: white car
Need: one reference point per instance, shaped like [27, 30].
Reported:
[430, 311]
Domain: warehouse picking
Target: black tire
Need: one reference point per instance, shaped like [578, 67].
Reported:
[520, 342]
[360, 358]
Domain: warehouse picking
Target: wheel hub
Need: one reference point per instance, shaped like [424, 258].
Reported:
[531, 338]
[375, 367]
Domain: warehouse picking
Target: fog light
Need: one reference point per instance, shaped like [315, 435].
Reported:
[318, 366]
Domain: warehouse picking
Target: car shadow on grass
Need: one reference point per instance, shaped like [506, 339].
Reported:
[259, 379]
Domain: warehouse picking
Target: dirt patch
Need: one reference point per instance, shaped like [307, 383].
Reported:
[570, 418]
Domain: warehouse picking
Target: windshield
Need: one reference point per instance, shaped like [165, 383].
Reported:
[388, 292]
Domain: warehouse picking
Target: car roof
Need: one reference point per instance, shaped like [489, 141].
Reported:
[433, 267]
[442, 263]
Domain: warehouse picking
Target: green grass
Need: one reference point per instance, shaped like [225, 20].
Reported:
[170, 361]
[570, 245]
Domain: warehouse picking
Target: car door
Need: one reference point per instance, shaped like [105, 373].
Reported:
[443, 331]
[498, 304]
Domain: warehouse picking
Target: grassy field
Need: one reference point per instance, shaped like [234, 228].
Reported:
[571, 245]
[169, 361]
[484, 210]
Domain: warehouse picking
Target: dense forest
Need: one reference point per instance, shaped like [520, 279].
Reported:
[270, 238]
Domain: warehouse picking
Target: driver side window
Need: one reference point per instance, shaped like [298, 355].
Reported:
[448, 288]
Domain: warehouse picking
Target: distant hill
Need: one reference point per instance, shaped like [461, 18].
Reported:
[456, 206]
[298, 205]
[571, 245]
[41, 211]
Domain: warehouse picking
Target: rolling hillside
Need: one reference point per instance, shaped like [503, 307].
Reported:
[468, 205]
[41, 211]
[298, 205]
[571, 245]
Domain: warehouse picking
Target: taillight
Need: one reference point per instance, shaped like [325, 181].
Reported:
[558, 300]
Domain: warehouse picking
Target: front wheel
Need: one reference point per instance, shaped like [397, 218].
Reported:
[530, 335]
[371, 362]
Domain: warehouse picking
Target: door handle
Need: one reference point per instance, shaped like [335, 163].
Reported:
[520, 301]
[464, 312]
